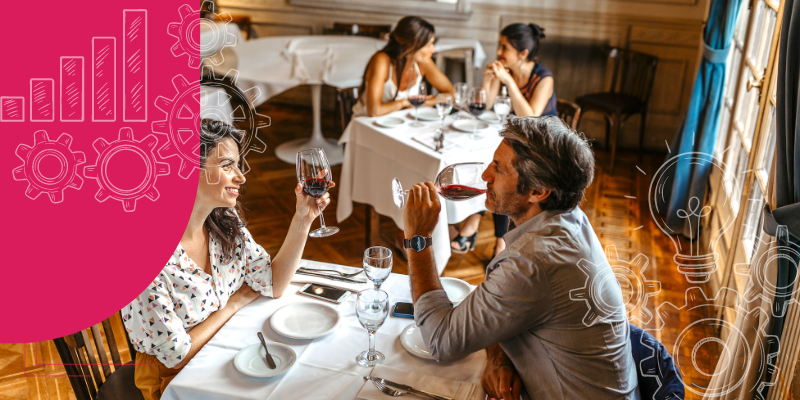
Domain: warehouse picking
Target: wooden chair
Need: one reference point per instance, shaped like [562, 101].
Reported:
[375, 31]
[86, 362]
[245, 24]
[346, 98]
[631, 84]
[569, 112]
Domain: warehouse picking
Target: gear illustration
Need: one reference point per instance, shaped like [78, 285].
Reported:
[696, 335]
[638, 289]
[186, 30]
[31, 169]
[182, 125]
[126, 143]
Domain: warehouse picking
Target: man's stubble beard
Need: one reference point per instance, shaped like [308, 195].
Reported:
[506, 205]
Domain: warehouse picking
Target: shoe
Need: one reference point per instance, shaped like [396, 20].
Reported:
[461, 241]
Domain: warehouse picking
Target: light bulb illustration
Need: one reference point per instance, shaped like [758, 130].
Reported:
[696, 263]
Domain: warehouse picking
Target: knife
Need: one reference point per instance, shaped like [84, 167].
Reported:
[270, 361]
[411, 389]
[334, 278]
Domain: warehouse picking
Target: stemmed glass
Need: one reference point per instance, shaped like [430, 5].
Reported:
[444, 104]
[456, 182]
[416, 101]
[314, 173]
[461, 94]
[477, 105]
[502, 107]
[377, 264]
[372, 308]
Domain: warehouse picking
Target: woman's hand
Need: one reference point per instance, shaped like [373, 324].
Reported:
[500, 72]
[242, 297]
[308, 208]
[430, 100]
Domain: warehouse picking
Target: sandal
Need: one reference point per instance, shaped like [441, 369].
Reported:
[461, 241]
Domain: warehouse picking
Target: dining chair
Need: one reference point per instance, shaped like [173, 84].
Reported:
[629, 94]
[346, 98]
[90, 373]
[569, 112]
[375, 31]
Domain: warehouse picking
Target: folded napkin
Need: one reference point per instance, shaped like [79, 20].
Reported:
[459, 390]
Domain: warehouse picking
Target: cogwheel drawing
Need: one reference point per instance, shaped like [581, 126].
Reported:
[40, 182]
[697, 335]
[182, 125]
[638, 289]
[186, 30]
[126, 143]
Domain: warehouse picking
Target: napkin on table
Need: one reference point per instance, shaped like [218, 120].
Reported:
[459, 390]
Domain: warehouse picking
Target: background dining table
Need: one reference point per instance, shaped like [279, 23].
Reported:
[326, 368]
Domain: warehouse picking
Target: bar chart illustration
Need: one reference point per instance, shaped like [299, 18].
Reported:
[43, 99]
[134, 58]
[12, 109]
[72, 87]
[104, 79]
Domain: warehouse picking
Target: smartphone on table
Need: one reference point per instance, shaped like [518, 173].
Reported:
[322, 292]
[403, 310]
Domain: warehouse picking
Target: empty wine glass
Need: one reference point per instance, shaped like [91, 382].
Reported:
[444, 104]
[377, 264]
[456, 182]
[477, 105]
[314, 173]
[417, 100]
[372, 308]
[502, 107]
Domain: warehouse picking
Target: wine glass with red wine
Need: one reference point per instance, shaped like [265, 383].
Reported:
[314, 173]
[456, 182]
[477, 105]
[417, 100]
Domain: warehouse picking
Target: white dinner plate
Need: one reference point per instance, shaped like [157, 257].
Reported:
[389, 122]
[426, 114]
[250, 360]
[490, 117]
[411, 339]
[456, 289]
[469, 125]
[305, 320]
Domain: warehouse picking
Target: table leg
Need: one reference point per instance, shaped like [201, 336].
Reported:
[373, 223]
[287, 152]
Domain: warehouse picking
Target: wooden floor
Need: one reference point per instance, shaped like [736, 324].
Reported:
[616, 206]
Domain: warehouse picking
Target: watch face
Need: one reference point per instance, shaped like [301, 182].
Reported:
[417, 243]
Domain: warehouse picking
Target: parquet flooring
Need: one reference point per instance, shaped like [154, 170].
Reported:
[616, 206]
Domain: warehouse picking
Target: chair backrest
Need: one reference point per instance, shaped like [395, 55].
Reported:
[346, 98]
[633, 73]
[375, 31]
[85, 356]
[569, 112]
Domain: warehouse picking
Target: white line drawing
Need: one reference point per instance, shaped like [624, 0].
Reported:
[126, 143]
[72, 89]
[44, 182]
[134, 65]
[183, 123]
[12, 109]
[104, 79]
[185, 30]
[43, 99]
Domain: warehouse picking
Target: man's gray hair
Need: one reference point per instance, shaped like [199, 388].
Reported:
[550, 156]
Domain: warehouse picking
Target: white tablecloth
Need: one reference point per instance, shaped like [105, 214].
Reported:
[326, 367]
[374, 155]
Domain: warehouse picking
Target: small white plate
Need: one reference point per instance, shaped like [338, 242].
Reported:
[426, 114]
[490, 117]
[305, 320]
[411, 339]
[456, 289]
[389, 122]
[469, 125]
[250, 360]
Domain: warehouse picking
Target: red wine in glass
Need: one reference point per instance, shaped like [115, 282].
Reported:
[416, 101]
[460, 192]
[477, 108]
[315, 187]
[455, 182]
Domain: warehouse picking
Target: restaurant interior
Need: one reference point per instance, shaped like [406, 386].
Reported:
[697, 140]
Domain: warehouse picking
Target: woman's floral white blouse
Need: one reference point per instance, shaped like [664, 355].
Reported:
[183, 295]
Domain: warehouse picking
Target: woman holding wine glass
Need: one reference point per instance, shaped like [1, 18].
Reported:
[393, 76]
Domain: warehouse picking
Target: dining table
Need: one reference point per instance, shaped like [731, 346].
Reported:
[374, 155]
[325, 367]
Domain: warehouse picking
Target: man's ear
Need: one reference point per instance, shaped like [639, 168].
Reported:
[539, 195]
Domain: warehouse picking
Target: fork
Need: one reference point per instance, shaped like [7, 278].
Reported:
[342, 274]
[394, 393]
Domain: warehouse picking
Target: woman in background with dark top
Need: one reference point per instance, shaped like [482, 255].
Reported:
[531, 89]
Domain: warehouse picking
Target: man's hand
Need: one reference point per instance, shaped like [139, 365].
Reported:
[422, 210]
[500, 380]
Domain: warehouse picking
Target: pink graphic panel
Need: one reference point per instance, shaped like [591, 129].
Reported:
[72, 89]
[43, 99]
[12, 109]
[134, 65]
[104, 79]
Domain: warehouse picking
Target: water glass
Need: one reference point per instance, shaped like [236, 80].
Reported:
[372, 308]
[460, 96]
[377, 264]
[444, 104]
[502, 107]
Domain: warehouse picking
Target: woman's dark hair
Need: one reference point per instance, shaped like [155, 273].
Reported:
[223, 224]
[410, 35]
[524, 37]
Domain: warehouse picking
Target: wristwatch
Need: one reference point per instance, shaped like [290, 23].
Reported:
[418, 243]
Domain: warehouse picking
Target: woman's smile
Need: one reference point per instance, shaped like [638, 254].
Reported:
[233, 191]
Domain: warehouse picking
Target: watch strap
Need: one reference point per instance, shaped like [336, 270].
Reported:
[428, 243]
